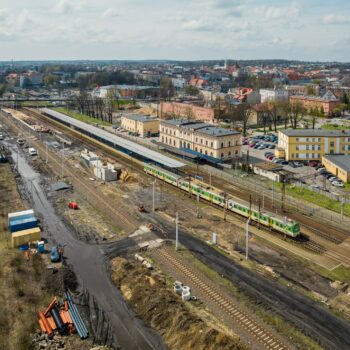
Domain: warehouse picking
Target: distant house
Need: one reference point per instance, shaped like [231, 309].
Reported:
[244, 95]
[326, 103]
[278, 95]
[198, 82]
[141, 125]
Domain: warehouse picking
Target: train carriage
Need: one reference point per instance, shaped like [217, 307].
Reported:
[215, 196]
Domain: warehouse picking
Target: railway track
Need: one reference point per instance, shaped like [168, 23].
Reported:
[249, 324]
[324, 235]
[87, 191]
[83, 139]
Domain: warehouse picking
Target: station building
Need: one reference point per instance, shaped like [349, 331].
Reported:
[339, 165]
[141, 125]
[201, 138]
[311, 144]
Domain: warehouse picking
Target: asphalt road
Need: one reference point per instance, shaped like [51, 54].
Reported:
[320, 324]
[89, 264]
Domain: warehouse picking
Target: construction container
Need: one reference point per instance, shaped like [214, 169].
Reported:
[22, 217]
[18, 214]
[23, 224]
[41, 247]
[23, 237]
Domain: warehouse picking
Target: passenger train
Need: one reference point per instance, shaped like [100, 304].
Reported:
[281, 224]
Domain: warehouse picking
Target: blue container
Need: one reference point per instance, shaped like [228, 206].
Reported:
[41, 247]
[24, 247]
[21, 217]
[25, 224]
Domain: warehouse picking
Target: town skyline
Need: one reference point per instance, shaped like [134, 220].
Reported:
[213, 29]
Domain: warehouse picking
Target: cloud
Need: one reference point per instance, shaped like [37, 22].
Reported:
[201, 24]
[336, 19]
[66, 6]
[274, 13]
[110, 12]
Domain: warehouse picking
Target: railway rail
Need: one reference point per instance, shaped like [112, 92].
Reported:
[249, 324]
[308, 244]
[88, 191]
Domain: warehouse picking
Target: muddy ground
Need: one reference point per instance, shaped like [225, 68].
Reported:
[180, 325]
[26, 286]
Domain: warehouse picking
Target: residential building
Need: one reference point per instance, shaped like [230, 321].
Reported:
[311, 144]
[179, 83]
[198, 82]
[327, 103]
[245, 95]
[302, 89]
[339, 165]
[126, 91]
[277, 95]
[141, 125]
[201, 138]
[186, 110]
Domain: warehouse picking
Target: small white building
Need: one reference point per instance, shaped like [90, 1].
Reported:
[277, 95]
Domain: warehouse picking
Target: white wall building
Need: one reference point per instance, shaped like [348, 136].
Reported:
[277, 95]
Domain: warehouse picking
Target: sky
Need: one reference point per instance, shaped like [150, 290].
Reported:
[175, 29]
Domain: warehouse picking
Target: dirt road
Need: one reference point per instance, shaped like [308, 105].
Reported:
[89, 263]
[308, 316]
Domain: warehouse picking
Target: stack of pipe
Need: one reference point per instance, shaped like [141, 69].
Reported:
[75, 316]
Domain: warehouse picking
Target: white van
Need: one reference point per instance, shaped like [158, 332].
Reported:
[32, 151]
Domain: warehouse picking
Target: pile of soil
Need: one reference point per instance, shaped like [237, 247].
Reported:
[151, 298]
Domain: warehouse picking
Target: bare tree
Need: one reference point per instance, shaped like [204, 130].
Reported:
[264, 114]
[296, 114]
[242, 113]
[275, 108]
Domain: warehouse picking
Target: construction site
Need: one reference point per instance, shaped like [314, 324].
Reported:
[98, 254]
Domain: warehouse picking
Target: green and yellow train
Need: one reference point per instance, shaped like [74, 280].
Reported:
[281, 224]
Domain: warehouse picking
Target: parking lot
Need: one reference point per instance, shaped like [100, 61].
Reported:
[262, 149]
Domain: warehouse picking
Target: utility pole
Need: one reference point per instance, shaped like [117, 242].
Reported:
[273, 193]
[248, 160]
[47, 156]
[263, 200]
[197, 205]
[247, 238]
[210, 178]
[177, 231]
[17, 159]
[225, 200]
[62, 165]
[259, 211]
[283, 193]
[153, 192]
[189, 187]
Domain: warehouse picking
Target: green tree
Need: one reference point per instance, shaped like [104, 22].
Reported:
[51, 79]
[192, 90]
[343, 107]
[336, 112]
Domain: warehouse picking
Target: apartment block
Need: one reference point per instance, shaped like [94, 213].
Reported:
[312, 144]
[276, 95]
[201, 138]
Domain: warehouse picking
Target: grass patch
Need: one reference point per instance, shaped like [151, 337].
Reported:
[318, 199]
[36, 104]
[335, 127]
[82, 117]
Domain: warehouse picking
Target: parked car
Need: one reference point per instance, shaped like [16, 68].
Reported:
[32, 151]
[272, 157]
[313, 163]
[284, 162]
[292, 164]
[321, 169]
[20, 142]
[337, 184]
[267, 153]
[298, 164]
[328, 176]
[316, 187]
[262, 147]
[333, 178]
[272, 146]
[1, 136]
